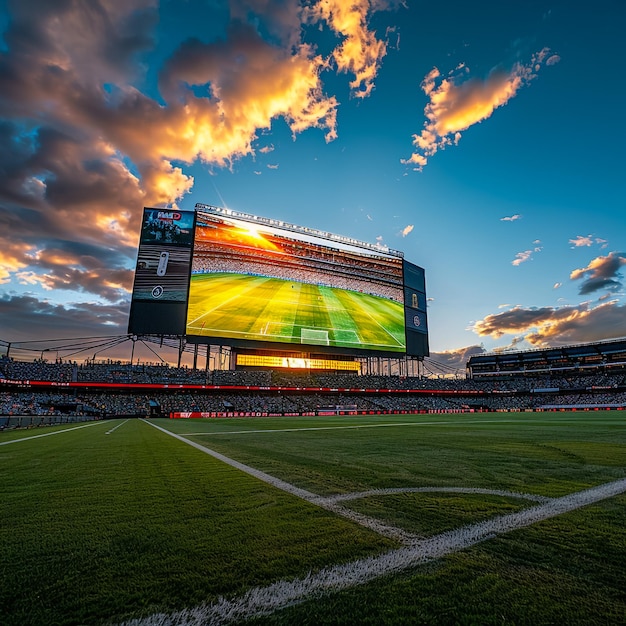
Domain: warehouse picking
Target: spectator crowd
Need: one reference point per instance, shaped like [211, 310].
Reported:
[280, 392]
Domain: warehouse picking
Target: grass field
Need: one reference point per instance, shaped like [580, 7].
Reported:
[270, 309]
[119, 520]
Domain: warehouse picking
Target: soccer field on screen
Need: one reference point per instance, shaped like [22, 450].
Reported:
[260, 308]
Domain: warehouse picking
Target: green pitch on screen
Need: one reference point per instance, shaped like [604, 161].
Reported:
[259, 308]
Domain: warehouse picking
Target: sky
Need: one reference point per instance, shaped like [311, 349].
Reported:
[484, 140]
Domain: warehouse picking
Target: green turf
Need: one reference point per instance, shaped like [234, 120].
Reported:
[568, 570]
[548, 454]
[270, 309]
[99, 527]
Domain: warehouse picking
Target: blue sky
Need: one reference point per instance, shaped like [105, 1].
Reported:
[483, 139]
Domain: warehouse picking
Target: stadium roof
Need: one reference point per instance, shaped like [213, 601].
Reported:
[612, 346]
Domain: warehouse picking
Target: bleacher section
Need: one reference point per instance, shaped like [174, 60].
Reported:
[585, 377]
[606, 356]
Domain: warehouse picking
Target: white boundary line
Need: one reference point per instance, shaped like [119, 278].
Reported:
[56, 432]
[342, 497]
[265, 600]
[369, 522]
[108, 432]
[459, 422]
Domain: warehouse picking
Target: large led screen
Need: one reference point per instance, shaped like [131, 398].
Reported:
[252, 282]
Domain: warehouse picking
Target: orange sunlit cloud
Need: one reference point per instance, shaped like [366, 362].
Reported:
[120, 148]
[360, 53]
[45, 281]
[601, 273]
[245, 97]
[456, 103]
[556, 326]
[11, 259]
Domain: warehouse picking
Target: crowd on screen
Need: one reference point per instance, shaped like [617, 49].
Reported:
[346, 274]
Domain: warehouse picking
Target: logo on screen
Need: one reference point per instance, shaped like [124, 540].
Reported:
[168, 216]
[157, 291]
[416, 320]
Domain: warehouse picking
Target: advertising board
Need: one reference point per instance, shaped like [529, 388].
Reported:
[161, 286]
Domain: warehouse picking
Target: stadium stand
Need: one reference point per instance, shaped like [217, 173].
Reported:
[38, 393]
[590, 357]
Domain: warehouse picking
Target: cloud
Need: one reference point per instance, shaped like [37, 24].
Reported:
[250, 82]
[601, 273]
[457, 102]
[526, 255]
[360, 52]
[407, 229]
[512, 218]
[21, 314]
[557, 326]
[587, 241]
[83, 149]
[452, 360]
[522, 257]
[514, 344]
[581, 241]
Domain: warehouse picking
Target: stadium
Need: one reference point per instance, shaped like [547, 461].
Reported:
[313, 464]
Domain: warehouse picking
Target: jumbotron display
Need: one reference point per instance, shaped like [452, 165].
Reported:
[262, 283]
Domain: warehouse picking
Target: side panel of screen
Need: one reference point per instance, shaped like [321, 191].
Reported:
[161, 287]
[416, 320]
[255, 284]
